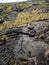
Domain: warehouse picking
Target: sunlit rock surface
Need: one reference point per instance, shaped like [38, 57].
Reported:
[33, 37]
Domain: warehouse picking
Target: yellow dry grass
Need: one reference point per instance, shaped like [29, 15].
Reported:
[25, 17]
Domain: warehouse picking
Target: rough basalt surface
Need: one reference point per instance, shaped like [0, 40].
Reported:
[33, 37]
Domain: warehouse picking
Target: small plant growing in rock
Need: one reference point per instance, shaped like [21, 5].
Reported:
[4, 37]
[42, 36]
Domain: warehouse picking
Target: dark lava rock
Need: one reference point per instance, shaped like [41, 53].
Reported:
[25, 39]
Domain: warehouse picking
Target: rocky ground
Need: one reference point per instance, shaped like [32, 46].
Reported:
[27, 35]
[30, 37]
[10, 11]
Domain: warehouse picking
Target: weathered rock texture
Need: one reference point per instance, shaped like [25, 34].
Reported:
[33, 37]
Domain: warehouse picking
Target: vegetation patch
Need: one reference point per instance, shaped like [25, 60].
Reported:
[25, 17]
